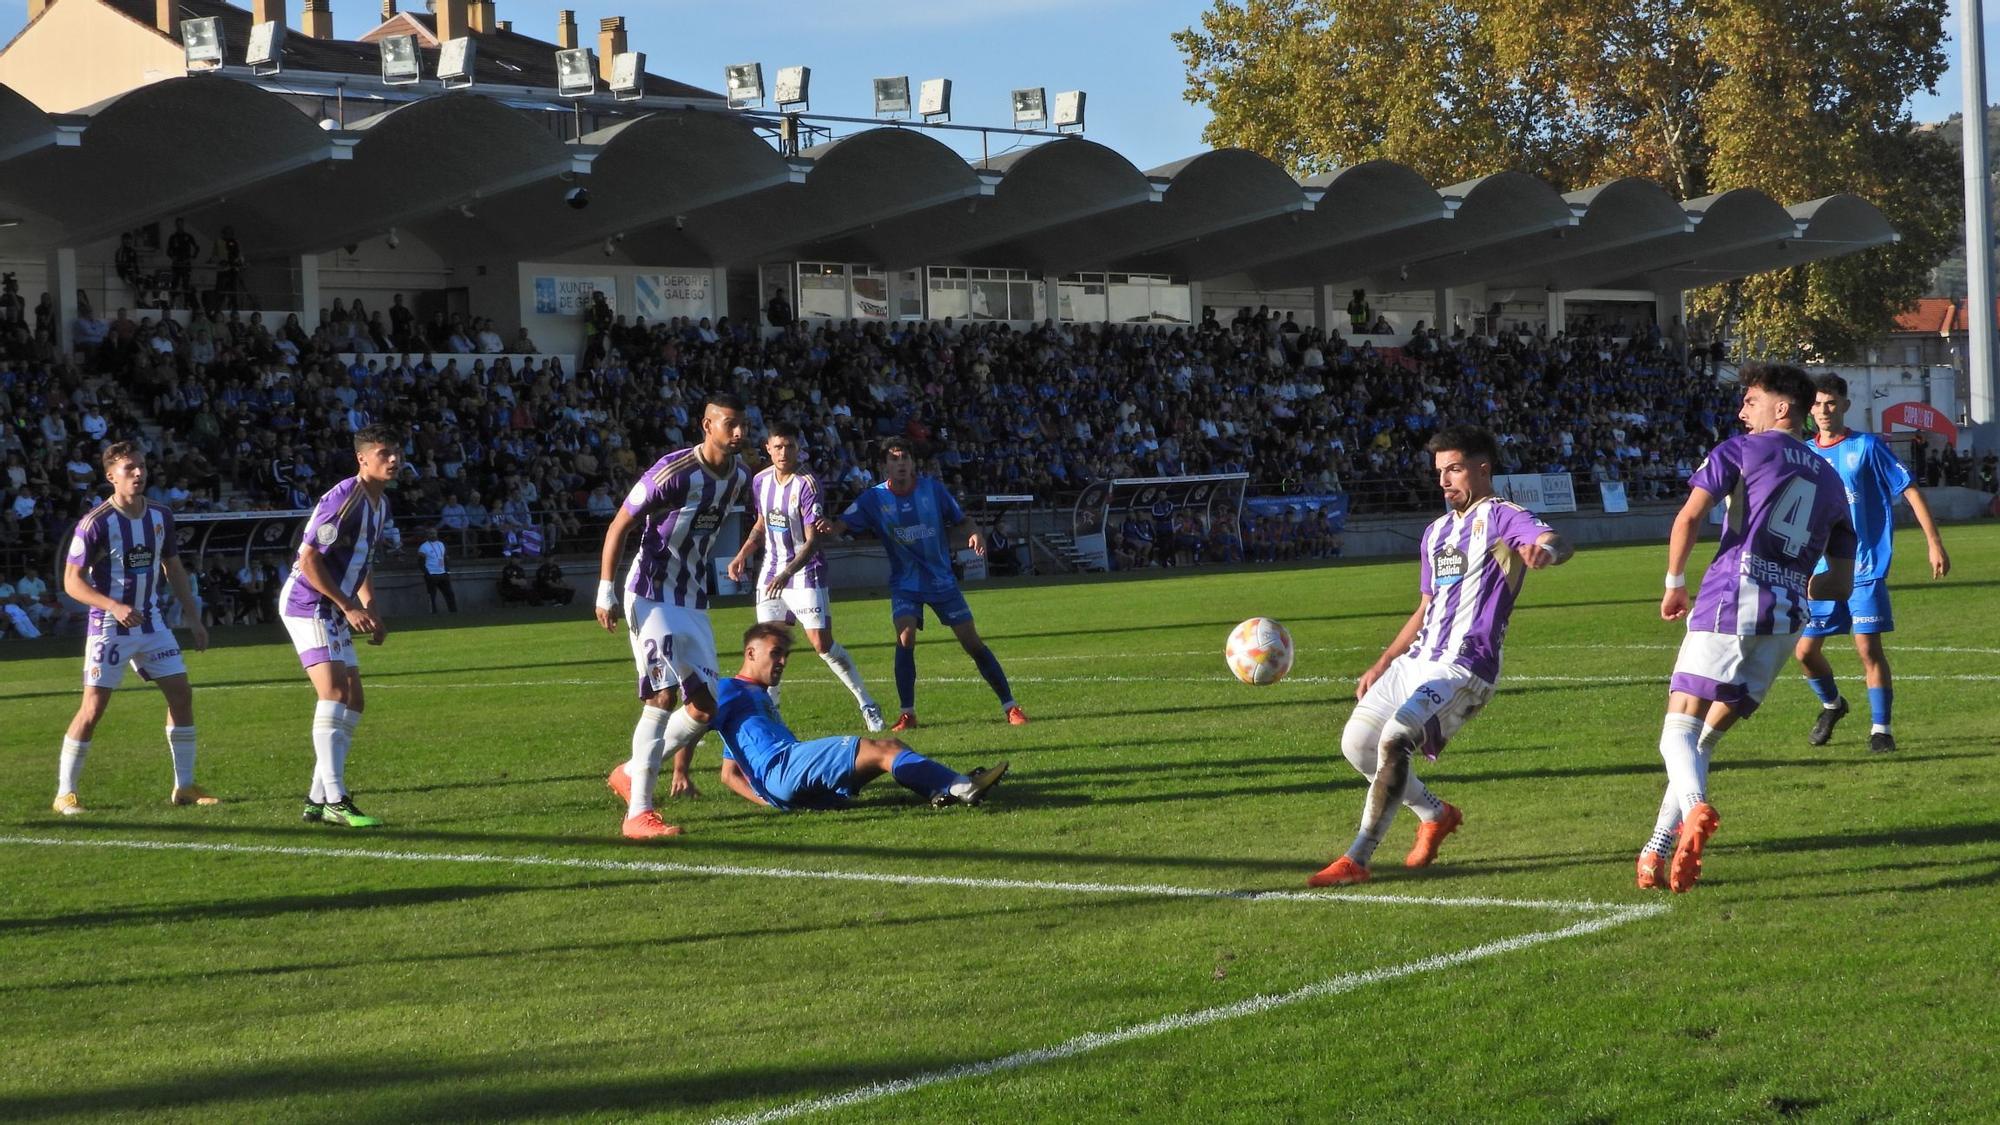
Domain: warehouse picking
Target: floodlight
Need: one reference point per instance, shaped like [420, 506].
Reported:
[201, 44]
[267, 48]
[1069, 111]
[934, 99]
[794, 86]
[892, 96]
[576, 77]
[628, 75]
[400, 64]
[1031, 106]
[455, 62]
[744, 83]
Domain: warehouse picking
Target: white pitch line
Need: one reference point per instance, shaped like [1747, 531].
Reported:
[1098, 1040]
[1154, 890]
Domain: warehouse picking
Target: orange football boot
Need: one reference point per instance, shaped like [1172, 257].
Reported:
[1652, 871]
[1017, 717]
[1431, 833]
[1340, 873]
[648, 825]
[1699, 824]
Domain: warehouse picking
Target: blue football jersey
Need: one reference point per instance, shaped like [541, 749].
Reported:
[913, 529]
[1874, 480]
[750, 728]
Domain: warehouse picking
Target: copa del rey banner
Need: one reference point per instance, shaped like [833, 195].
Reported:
[657, 296]
[1538, 492]
[1917, 416]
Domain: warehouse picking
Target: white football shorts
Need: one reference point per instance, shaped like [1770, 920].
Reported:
[805, 608]
[322, 640]
[1731, 669]
[672, 645]
[153, 655]
[1432, 696]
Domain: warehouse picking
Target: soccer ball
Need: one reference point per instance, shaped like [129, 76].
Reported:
[1259, 651]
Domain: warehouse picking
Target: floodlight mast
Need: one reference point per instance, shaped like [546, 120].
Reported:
[1984, 380]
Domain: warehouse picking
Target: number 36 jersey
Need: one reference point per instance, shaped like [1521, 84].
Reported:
[1786, 507]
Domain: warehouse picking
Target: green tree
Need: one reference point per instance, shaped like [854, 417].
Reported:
[1700, 95]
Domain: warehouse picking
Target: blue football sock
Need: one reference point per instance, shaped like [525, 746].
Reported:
[989, 667]
[1825, 687]
[1880, 700]
[915, 772]
[906, 677]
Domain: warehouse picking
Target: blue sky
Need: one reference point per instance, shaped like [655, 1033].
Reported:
[1117, 50]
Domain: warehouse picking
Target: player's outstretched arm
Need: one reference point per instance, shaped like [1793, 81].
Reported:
[1549, 550]
[732, 776]
[1405, 637]
[177, 578]
[607, 566]
[1940, 561]
[1680, 547]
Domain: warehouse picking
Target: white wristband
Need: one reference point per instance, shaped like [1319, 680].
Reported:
[607, 594]
[1677, 581]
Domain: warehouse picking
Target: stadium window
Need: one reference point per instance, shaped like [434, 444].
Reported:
[949, 293]
[910, 295]
[869, 297]
[823, 290]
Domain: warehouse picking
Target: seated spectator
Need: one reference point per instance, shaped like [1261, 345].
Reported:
[513, 584]
[550, 586]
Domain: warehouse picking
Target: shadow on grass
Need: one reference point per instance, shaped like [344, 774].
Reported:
[315, 904]
[647, 945]
[421, 1086]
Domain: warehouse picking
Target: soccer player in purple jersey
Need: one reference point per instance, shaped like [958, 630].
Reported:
[120, 550]
[681, 502]
[1441, 668]
[791, 585]
[329, 597]
[1786, 509]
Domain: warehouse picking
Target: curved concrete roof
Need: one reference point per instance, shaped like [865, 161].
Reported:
[481, 178]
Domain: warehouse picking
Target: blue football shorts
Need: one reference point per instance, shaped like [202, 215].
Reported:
[949, 607]
[1866, 610]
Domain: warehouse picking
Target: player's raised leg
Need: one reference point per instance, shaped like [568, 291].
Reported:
[941, 784]
[841, 664]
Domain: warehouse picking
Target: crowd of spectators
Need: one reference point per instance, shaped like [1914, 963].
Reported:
[502, 449]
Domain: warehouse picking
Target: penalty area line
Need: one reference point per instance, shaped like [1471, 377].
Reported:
[1098, 1040]
[1151, 890]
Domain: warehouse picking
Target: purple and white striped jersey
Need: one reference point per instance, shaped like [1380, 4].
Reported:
[1786, 508]
[1472, 571]
[344, 528]
[124, 558]
[683, 504]
[787, 510]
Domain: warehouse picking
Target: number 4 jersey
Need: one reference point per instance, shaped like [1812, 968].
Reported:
[1786, 507]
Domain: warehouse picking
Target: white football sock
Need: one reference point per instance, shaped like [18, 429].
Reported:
[1358, 741]
[1680, 738]
[850, 677]
[683, 731]
[1878, 728]
[180, 743]
[1666, 826]
[648, 746]
[71, 770]
[325, 734]
[343, 741]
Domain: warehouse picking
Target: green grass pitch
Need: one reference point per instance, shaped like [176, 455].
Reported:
[496, 953]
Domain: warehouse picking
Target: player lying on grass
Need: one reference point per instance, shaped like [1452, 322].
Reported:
[764, 762]
[1441, 668]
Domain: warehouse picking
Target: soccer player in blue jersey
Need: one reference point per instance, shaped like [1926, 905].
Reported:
[765, 763]
[1874, 479]
[917, 521]
[122, 551]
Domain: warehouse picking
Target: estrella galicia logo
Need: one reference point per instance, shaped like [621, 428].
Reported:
[1448, 566]
[140, 558]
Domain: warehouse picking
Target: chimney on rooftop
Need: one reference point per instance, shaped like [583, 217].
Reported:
[166, 17]
[388, 10]
[36, 8]
[504, 25]
[451, 21]
[317, 21]
[267, 11]
[481, 14]
[610, 42]
[566, 29]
